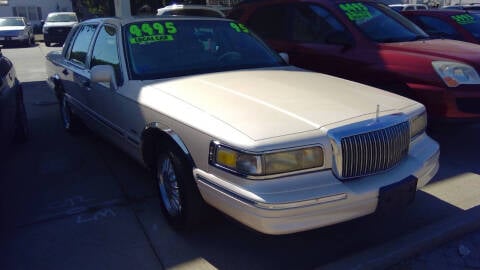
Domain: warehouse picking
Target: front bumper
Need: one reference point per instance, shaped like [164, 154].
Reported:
[307, 201]
[456, 103]
[13, 40]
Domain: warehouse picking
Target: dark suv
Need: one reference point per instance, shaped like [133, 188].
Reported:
[369, 42]
[57, 26]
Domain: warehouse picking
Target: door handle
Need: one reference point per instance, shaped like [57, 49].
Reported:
[65, 71]
[86, 85]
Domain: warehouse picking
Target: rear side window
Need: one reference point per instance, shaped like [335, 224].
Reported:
[312, 23]
[80, 46]
[236, 13]
[270, 22]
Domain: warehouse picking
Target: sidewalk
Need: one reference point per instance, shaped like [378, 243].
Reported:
[451, 243]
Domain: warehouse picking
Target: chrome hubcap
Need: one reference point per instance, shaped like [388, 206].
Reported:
[168, 185]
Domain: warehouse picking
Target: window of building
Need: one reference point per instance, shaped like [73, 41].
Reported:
[31, 13]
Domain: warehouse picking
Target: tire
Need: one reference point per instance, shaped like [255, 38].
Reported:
[21, 123]
[181, 202]
[47, 43]
[69, 120]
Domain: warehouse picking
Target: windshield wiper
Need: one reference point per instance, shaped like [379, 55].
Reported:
[420, 37]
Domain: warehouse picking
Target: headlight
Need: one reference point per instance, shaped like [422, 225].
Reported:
[264, 164]
[418, 124]
[455, 74]
[21, 33]
[45, 30]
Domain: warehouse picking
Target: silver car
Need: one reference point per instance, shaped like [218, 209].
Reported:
[16, 31]
[223, 120]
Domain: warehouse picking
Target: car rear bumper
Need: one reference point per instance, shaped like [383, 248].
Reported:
[274, 211]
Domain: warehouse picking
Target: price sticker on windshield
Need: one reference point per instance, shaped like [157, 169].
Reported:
[151, 32]
[355, 11]
[239, 27]
[463, 19]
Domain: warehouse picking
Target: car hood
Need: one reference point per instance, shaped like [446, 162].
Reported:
[59, 24]
[439, 48]
[11, 28]
[268, 103]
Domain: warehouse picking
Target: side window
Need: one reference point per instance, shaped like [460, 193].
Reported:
[236, 14]
[270, 22]
[312, 23]
[105, 50]
[82, 41]
[437, 28]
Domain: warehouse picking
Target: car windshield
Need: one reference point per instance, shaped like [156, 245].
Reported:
[381, 23]
[168, 48]
[62, 18]
[471, 22]
[11, 22]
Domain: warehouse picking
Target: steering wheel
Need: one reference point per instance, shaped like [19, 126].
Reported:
[229, 56]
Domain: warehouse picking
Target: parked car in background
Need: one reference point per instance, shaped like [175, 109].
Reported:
[16, 31]
[57, 26]
[228, 122]
[474, 7]
[190, 10]
[400, 7]
[368, 42]
[13, 117]
[447, 23]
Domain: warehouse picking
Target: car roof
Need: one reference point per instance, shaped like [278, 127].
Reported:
[55, 13]
[445, 12]
[189, 7]
[13, 17]
[132, 19]
[333, 2]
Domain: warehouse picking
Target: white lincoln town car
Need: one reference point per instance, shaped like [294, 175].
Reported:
[222, 120]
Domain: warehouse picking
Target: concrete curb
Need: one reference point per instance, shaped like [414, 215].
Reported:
[420, 241]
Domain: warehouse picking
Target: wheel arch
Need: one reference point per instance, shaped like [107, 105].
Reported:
[155, 136]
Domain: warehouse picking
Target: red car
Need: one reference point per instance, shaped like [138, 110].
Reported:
[447, 23]
[369, 42]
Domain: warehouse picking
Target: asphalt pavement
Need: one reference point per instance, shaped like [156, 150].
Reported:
[76, 202]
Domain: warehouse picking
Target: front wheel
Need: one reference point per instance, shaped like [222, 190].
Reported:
[181, 202]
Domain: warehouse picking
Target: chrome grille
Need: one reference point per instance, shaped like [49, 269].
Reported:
[374, 151]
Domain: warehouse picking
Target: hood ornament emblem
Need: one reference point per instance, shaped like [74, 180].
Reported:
[378, 113]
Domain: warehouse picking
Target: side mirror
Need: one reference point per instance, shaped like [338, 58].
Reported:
[104, 74]
[285, 57]
[339, 38]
